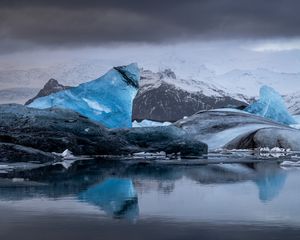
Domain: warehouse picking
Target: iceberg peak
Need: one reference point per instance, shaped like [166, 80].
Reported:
[271, 105]
[130, 73]
[107, 100]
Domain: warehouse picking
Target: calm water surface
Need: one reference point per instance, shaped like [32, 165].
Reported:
[140, 201]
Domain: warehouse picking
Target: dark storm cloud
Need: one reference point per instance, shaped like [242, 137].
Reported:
[74, 22]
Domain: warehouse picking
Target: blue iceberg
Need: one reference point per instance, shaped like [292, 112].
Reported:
[271, 105]
[107, 100]
[116, 196]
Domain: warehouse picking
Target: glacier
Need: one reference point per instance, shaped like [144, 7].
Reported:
[271, 105]
[107, 100]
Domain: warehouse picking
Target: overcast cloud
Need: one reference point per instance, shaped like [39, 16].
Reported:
[90, 23]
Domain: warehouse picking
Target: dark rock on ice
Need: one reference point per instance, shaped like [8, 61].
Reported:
[234, 129]
[287, 138]
[16, 153]
[54, 130]
[168, 139]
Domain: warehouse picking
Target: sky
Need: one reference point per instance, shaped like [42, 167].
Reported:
[220, 34]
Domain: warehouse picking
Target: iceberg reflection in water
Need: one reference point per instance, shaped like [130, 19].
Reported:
[117, 197]
[133, 200]
[138, 190]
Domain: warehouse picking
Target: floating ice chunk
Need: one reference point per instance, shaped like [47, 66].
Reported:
[18, 180]
[271, 105]
[274, 152]
[107, 100]
[67, 154]
[149, 123]
[264, 149]
[275, 149]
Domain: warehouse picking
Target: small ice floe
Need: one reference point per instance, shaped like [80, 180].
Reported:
[275, 149]
[66, 155]
[68, 159]
[16, 180]
[149, 123]
[275, 152]
[149, 154]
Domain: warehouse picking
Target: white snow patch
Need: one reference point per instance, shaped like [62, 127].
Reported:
[228, 110]
[149, 123]
[18, 180]
[66, 155]
[275, 149]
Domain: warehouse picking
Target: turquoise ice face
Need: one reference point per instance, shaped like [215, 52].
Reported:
[107, 100]
[271, 105]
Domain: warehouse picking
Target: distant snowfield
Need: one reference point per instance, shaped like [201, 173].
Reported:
[245, 82]
[17, 95]
[218, 69]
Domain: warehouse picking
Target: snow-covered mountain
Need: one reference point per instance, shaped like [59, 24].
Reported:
[164, 97]
[245, 85]
[248, 82]
[67, 74]
[293, 102]
[204, 89]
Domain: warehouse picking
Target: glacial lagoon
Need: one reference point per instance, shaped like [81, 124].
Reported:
[224, 196]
